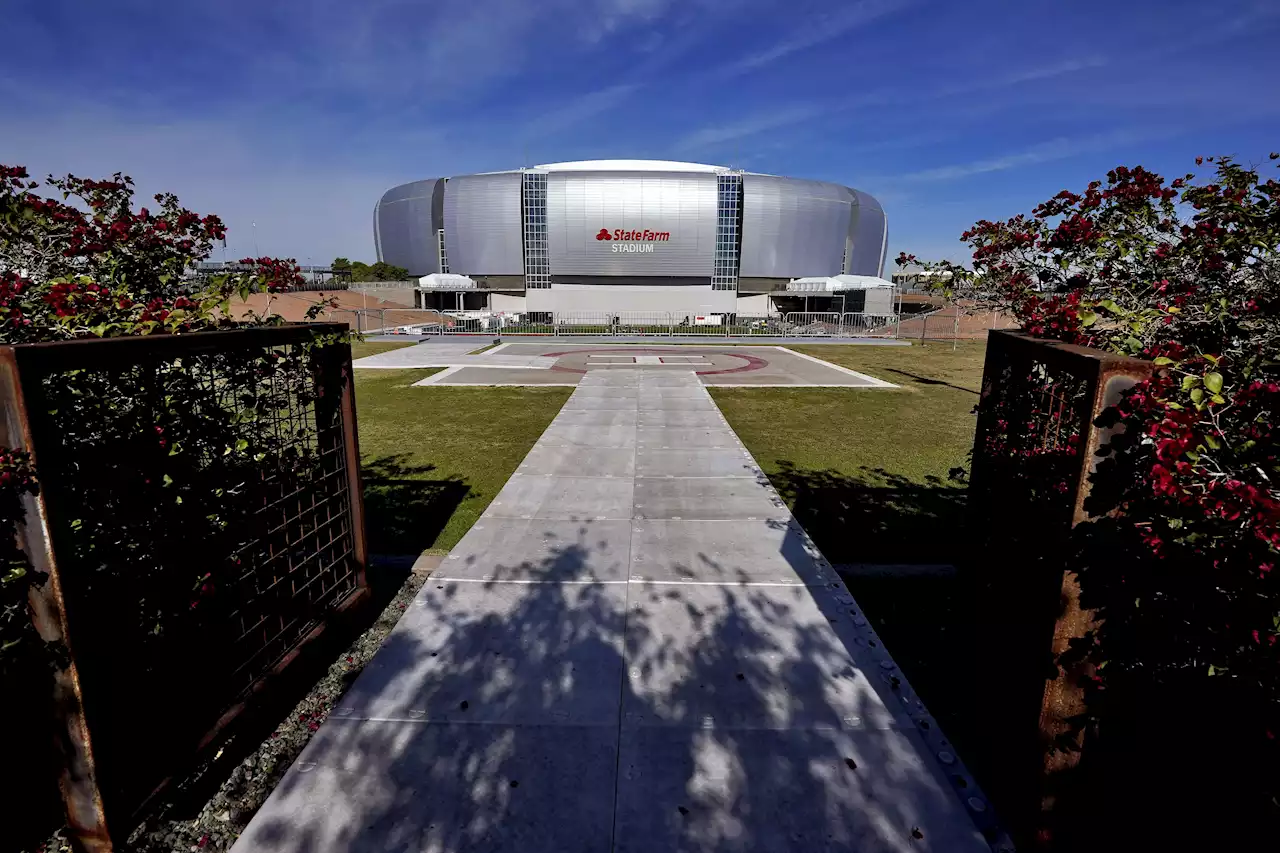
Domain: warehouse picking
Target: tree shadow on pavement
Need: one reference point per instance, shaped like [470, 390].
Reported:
[551, 706]
[880, 518]
[405, 508]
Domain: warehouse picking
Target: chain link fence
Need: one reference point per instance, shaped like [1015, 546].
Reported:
[799, 324]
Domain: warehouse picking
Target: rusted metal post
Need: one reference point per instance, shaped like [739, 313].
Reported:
[351, 445]
[78, 780]
[1024, 376]
[1064, 695]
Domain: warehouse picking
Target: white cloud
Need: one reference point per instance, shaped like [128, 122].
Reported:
[611, 15]
[719, 134]
[1045, 72]
[577, 110]
[1061, 148]
[816, 32]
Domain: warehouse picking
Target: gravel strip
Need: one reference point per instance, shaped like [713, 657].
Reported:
[226, 814]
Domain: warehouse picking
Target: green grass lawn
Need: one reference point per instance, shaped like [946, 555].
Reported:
[434, 457]
[360, 349]
[866, 471]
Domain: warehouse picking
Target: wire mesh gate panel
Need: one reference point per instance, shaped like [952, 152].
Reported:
[199, 520]
[1035, 445]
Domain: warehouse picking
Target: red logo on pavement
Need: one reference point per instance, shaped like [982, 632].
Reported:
[603, 235]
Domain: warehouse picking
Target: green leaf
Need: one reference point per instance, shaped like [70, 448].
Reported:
[1212, 670]
[1213, 381]
[1212, 441]
[242, 444]
[1197, 395]
[1088, 318]
[1212, 359]
[1189, 382]
[1218, 399]
[1133, 344]
[168, 481]
[1164, 360]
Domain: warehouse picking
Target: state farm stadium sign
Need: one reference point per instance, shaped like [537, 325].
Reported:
[636, 241]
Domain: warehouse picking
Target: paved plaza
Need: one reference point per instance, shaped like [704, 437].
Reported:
[559, 363]
[635, 648]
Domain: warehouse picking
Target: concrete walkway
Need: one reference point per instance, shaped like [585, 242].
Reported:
[636, 648]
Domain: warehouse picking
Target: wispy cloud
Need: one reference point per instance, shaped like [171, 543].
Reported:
[1045, 72]
[1055, 149]
[577, 110]
[719, 134]
[1010, 79]
[611, 15]
[814, 33]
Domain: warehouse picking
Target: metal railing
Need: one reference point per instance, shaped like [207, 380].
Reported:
[798, 324]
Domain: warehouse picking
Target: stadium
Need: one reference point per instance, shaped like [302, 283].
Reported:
[630, 236]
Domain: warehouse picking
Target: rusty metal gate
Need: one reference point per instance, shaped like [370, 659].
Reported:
[199, 521]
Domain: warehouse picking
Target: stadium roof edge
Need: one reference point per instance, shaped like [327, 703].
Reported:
[630, 166]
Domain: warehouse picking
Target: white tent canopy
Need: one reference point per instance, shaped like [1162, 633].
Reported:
[835, 283]
[446, 281]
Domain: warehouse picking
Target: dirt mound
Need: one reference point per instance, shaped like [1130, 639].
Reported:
[294, 306]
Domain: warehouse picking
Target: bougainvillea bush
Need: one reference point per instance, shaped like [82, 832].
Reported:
[162, 466]
[86, 263]
[1181, 559]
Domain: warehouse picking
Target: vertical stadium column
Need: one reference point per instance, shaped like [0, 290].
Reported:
[533, 197]
[724, 275]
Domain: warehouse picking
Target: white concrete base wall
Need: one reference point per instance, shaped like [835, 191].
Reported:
[507, 303]
[563, 298]
[757, 305]
[678, 300]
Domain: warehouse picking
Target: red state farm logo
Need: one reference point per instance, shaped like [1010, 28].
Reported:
[639, 235]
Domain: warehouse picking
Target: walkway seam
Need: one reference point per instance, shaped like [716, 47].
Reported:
[625, 677]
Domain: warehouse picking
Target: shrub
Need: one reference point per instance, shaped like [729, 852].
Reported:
[88, 265]
[1180, 559]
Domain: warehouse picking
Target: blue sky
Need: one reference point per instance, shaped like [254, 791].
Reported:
[298, 115]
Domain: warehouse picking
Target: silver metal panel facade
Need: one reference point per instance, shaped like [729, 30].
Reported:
[792, 229]
[483, 224]
[869, 231]
[404, 230]
[587, 210]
